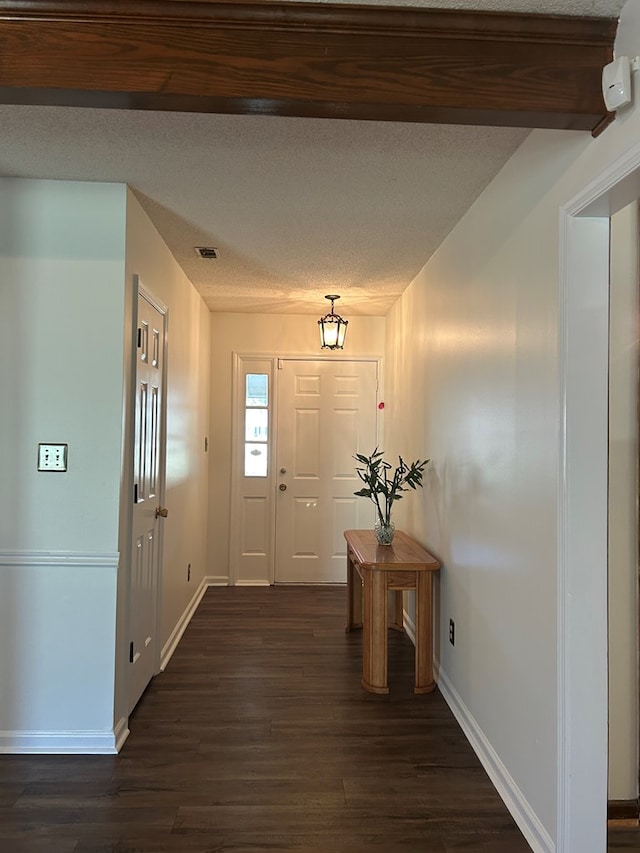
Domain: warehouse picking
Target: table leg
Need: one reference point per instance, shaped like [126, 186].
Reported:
[424, 682]
[374, 638]
[354, 596]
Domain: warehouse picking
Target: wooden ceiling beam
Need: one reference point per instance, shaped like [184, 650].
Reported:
[307, 59]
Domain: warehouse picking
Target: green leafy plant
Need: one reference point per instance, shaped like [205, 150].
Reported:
[383, 484]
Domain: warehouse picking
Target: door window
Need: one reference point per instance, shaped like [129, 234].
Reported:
[256, 425]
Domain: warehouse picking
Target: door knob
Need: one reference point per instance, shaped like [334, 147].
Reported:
[161, 512]
[283, 487]
[283, 470]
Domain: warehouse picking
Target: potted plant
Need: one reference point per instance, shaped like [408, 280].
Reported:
[384, 485]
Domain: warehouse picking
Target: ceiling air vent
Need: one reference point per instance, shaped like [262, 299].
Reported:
[207, 253]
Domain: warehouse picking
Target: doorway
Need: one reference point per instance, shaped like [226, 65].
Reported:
[297, 424]
[583, 348]
[623, 520]
[148, 490]
[326, 412]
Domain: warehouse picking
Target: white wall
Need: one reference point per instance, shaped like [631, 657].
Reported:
[265, 334]
[66, 325]
[472, 350]
[61, 366]
[62, 251]
[623, 507]
[480, 325]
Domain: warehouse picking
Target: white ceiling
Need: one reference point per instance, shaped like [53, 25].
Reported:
[298, 208]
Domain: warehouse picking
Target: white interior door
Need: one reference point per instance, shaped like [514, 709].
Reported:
[326, 412]
[148, 481]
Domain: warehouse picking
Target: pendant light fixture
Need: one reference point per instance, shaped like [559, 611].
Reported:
[332, 328]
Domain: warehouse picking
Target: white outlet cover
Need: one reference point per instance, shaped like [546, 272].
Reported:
[52, 457]
[616, 83]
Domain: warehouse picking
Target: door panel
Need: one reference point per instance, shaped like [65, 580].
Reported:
[326, 413]
[255, 517]
[307, 443]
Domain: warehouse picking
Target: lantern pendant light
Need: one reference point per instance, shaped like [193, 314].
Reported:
[332, 328]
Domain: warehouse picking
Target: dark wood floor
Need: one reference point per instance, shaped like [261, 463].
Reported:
[258, 737]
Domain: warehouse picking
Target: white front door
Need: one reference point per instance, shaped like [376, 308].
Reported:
[148, 482]
[326, 412]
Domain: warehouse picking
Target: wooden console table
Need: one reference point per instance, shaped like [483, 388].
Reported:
[373, 570]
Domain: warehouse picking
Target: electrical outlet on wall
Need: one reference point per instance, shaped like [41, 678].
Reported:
[52, 457]
[188, 572]
[452, 632]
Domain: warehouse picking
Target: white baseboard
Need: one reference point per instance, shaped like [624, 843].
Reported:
[527, 820]
[176, 635]
[217, 580]
[58, 743]
[121, 732]
[252, 583]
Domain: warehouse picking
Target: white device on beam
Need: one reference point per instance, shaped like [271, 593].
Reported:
[616, 82]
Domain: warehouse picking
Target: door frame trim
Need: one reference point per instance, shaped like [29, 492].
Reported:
[582, 619]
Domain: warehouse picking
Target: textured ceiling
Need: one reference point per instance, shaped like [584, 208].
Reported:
[297, 207]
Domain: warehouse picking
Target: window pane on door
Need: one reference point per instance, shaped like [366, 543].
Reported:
[255, 460]
[256, 424]
[257, 389]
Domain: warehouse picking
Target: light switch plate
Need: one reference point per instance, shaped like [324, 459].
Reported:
[52, 457]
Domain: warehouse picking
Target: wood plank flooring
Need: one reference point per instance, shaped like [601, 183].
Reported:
[258, 737]
[623, 837]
